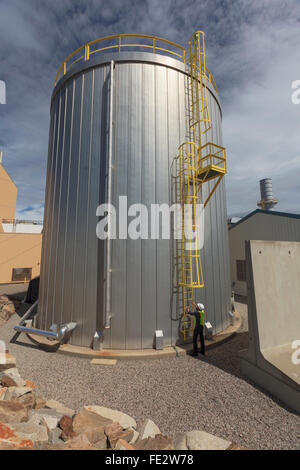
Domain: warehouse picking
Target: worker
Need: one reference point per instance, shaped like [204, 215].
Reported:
[198, 321]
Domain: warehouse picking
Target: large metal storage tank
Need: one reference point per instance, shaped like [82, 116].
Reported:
[149, 123]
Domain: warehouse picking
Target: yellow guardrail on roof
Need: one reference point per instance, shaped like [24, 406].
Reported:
[155, 43]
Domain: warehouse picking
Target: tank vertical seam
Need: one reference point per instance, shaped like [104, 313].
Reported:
[59, 200]
[89, 197]
[169, 174]
[76, 213]
[155, 189]
[113, 177]
[68, 189]
[142, 186]
[129, 126]
[217, 196]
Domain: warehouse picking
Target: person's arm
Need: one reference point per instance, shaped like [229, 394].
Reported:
[188, 310]
[192, 313]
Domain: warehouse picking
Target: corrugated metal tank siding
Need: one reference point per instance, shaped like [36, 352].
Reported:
[78, 137]
[149, 125]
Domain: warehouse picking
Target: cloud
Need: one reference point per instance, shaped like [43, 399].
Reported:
[34, 212]
[253, 51]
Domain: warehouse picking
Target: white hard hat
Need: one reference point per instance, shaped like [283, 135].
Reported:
[200, 306]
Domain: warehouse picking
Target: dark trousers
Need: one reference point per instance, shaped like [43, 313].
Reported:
[198, 331]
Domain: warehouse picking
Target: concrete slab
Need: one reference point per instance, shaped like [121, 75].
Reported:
[118, 354]
[273, 279]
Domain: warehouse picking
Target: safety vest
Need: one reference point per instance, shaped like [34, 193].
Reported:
[201, 318]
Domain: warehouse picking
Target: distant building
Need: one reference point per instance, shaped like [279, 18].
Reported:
[232, 221]
[20, 240]
[8, 194]
[258, 225]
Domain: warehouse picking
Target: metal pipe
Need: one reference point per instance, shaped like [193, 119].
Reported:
[29, 312]
[109, 198]
[59, 336]
[49, 334]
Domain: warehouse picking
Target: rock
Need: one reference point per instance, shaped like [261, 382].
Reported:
[66, 425]
[54, 436]
[123, 445]
[97, 437]
[46, 417]
[134, 437]
[2, 392]
[114, 433]
[115, 416]
[41, 412]
[40, 402]
[59, 407]
[158, 442]
[28, 400]
[200, 440]
[13, 412]
[87, 419]
[49, 446]
[15, 376]
[32, 432]
[10, 439]
[91, 424]
[147, 429]
[6, 446]
[15, 392]
[7, 311]
[50, 422]
[7, 381]
[7, 361]
[79, 443]
[180, 442]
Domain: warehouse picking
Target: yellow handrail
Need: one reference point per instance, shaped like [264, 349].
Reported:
[180, 53]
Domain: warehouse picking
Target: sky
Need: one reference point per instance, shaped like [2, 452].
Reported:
[253, 51]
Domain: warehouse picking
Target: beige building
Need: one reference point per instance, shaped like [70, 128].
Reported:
[20, 241]
[258, 225]
[8, 194]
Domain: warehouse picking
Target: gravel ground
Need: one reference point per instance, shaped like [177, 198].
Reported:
[178, 394]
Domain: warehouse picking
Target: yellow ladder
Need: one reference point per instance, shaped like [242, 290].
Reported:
[198, 163]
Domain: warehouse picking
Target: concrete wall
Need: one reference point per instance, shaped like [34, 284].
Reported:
[19, 251]
[8, 195]
[273, 279]
[260, 226]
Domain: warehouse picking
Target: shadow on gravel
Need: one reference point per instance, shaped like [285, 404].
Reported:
[226, 357]
[241, 299]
